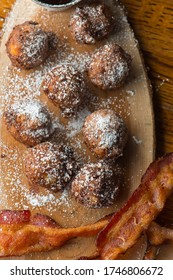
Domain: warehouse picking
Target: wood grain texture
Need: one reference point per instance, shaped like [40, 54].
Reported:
[152, 22]
[139, 150]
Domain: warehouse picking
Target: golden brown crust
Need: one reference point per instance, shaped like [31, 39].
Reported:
[50, 166]
[109, 67]
[66, 87]
[97, 184]
[28, 45]
[28, 121]
[105, 134]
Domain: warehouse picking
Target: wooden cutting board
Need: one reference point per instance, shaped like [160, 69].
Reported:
[133, 102]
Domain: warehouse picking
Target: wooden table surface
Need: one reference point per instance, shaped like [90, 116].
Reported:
[152, 22]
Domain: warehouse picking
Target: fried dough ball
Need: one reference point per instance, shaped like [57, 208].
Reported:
[90, 23]
[28, 121]
[66, 88]
[105, 133]
[28, 45]
[109, 67]
[97, 184]
[50, 166]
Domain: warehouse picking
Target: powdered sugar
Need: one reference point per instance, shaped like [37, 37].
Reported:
[105, 133]
[37, 200]
[28, 121]
[16, 85]
[109, 67]
[97, 184]
[75, 124]
[66, 87]
[33, 109]
[16, 188]
[91, 23]
[39, 41]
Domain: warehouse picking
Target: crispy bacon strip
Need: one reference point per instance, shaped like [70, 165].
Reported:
[157, 234]
[141, 209]
[21, 233]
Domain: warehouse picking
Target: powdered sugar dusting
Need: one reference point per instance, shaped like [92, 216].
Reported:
[105, 133]
[97, 184]
[28, 121]
[15, 88]
[33, 109]
[39, 41]
[108, 138]
[91, 23]
[16, 187]
[37, 200]
[75, 124]
[17, 85]
[66, 87]
[110, 66]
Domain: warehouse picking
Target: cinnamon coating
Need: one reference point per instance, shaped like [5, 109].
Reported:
[29, 45]
[105, 133]
[91, 23]
[109, 67]
[66, 88]
[50, 166]
[97, 184]
[28, 121]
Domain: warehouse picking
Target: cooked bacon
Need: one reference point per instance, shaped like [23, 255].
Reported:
[21, 233]
[14, 217]
[151, 252]
[141, 209]
[43, 221]
[93, 257]
[157, 234]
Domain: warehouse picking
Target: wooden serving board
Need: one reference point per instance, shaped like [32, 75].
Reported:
[133, 102]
